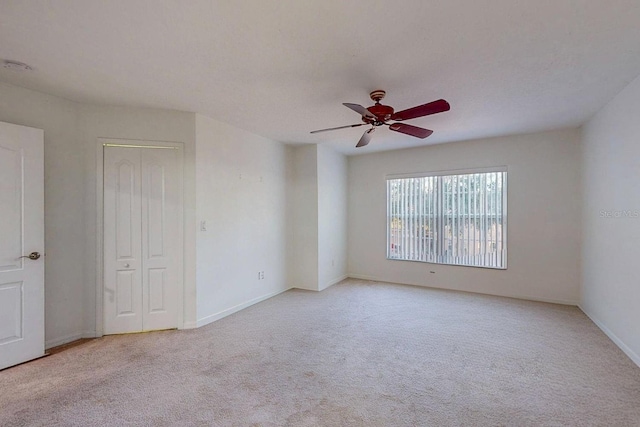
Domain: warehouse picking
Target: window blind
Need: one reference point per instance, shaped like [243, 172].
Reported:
[457, 219]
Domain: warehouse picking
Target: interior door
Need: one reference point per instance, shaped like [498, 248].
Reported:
[162, 246]
[122, 241]
[21, 234]
[143, 238]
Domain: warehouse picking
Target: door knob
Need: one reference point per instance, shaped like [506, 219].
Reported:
[33, 255]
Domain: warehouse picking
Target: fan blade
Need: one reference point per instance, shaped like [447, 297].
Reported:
[410, 130]
[434, 107]
[339, 127]
[366, 137]
[360, 110]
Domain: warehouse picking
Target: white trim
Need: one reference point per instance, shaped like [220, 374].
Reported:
[224, 313]
[302, 287]
[522, 297]
[100, 145]
[67, 339]
[371, 278]
[189, 325]
[62, 340]
[446, 172]
[333, 282]
[162, 147]
[99, 238]
[635, 357]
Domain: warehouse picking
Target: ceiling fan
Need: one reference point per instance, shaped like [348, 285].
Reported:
[378, 115]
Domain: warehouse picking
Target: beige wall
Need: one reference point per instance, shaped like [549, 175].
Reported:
[543, 215]
[611, 219]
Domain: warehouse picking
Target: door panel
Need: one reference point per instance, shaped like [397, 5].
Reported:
[21, 232]
[155, 196]
[11, 201]
[162, 232]
[157, 290]
[127, 208]
[11, 301]
[126, 287]
[122, 246]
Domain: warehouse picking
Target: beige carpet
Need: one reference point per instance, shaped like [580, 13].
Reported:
[358, 354]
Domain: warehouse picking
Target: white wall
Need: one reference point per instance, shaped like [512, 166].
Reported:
[241, 194]
[138, 124]
[303, 239]
[297, 212]
[611, 237]
[318, 205]
[332, 216]
[71, 132]
[543, 223]
[64, 203]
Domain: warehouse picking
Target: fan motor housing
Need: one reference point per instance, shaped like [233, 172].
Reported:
[382, 112]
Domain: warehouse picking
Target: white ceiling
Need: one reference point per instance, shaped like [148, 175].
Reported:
[281, 68]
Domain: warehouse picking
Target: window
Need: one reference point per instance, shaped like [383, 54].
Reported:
[446, 218]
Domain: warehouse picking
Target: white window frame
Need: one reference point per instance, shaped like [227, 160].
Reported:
[436, 217]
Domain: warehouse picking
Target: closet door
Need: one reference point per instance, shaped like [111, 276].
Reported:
[161, 237]
[122, 241]
[143, 244]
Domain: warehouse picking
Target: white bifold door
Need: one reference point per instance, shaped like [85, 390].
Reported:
[21, 244]
[143, 243]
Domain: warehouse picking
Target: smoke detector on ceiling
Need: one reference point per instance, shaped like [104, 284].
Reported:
[16, 66]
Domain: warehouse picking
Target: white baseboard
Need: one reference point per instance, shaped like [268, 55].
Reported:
[333, 282]
[370, 278]
[302, 288]
[224, 313]
[189, 325]
[68, 338]
[523, 297]
[617, 341]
